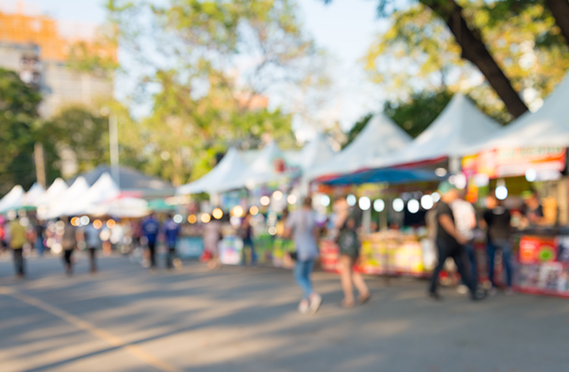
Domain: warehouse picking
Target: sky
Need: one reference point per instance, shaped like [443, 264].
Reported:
[345, 28]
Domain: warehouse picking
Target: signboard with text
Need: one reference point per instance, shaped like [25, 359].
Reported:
[515, 162]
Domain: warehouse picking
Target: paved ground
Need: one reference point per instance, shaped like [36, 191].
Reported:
[243, 319]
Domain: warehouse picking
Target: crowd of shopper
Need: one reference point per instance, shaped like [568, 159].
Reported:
[452, 224]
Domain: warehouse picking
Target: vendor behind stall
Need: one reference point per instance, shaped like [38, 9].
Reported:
[532, 210]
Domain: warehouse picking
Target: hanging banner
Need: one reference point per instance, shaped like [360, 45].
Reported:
[500, 163]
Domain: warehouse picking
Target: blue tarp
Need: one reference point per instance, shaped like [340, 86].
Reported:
[390, 175]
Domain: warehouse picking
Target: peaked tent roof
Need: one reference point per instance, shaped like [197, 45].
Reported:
[380, 137]
[458, 127]
[548, 126]
[69, 199]
[55, 191]
[34, 194]
[133, 180]
[230, 168]
[315, 153]
[261, 170]
[104, 189]
[13, 199]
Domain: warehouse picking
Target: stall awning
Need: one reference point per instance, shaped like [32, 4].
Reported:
[380, 137]
[388, 175]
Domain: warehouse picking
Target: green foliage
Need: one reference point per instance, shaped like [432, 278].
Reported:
[79, 129]
[184, 134]
[416, 114]
[418, 53]
[18, 131]
[203, 100]
[413, 115]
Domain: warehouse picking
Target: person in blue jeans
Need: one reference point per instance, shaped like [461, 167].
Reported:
[302, 226]
[246, 232]
[150, 229]
[498, 223]
[465, 222]
[171, 231]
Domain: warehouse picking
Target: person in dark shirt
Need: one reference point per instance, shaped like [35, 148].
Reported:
[171, 231]
[39, 231]
[450, 242]
[532, 209]
[151, 228]
[497, 220]
[246, 232]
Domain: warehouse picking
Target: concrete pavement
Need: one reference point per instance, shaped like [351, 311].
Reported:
[126, 318]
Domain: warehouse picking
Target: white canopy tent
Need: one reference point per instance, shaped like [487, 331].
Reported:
[549, 126]
[102, 190]
[127, 207]
[62, 205]
[229, 169]
[13, 199]
[315, 153]
[262, 170]
[34, 195]
[458, 127]
[380, 137]
[53, 193]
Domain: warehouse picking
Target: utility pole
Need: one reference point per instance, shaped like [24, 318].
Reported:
[114, 147]
[39, 157]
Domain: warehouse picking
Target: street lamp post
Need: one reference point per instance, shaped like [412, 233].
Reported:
[113, 144]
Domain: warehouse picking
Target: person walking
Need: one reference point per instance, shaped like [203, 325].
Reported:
[497, 219]
[450, 242]
[69, 244]
[17, 239]
[347, 223]
[211, 237]
[92, 242]
[39, 235]
[246, 233]
[465, 215]
[171, 231]
[301, 225]
[150, 229]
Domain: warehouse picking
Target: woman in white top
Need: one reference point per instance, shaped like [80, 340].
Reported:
[302, 225]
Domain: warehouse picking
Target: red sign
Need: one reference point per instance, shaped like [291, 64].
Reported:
[536, 249]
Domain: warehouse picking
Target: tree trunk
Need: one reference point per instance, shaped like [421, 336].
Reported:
[560, 11]
[474, 50]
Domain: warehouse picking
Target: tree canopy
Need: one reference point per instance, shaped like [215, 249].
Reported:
[206, 68]
[20, 123]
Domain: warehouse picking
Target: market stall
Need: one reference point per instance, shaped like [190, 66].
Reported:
[543, 262]
[390, 252]
[417, 167]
